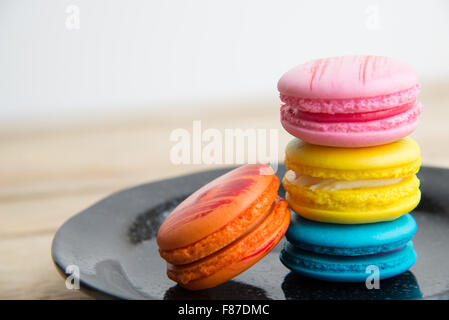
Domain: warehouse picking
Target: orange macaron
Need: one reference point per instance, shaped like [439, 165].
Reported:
[223, 228]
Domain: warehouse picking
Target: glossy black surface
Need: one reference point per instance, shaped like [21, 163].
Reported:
[113, 244]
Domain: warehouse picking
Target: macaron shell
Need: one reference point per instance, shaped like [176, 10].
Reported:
[361, 200]
[214, 205]
[400, 158]
[350, 139]
[351, 240]
[347, 269]
[237, 257]
[354, 215]
[347, 77]
[351, 134]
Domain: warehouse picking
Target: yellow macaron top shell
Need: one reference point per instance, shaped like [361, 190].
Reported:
[394, 160]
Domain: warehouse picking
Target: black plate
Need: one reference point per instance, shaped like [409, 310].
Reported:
[113, 244]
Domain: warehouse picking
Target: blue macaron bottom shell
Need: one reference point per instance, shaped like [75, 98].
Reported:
[347, 268]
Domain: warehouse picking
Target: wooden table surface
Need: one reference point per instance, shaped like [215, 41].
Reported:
[51, 170]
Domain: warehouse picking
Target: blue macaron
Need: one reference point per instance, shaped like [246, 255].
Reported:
[351, 240]
[348, 268]
[349, 253]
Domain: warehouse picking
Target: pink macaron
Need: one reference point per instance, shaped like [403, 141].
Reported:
[351, 101]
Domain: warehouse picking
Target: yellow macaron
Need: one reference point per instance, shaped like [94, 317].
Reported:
[352, 185]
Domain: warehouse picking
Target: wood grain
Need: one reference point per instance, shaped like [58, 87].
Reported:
[50, 170]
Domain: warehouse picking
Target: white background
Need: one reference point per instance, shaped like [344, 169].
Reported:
[141, 54]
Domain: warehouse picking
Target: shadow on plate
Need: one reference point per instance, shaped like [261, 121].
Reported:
[145, 226]
[401, 287]
[229, 290]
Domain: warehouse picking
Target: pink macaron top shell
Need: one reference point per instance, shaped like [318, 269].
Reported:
[348, 77]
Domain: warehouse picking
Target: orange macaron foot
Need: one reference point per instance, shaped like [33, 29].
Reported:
[223, 228]
[240, 255]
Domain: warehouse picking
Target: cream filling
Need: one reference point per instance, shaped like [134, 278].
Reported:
[333, 184]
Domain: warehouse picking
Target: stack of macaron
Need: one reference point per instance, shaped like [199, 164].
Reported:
[351, 175]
